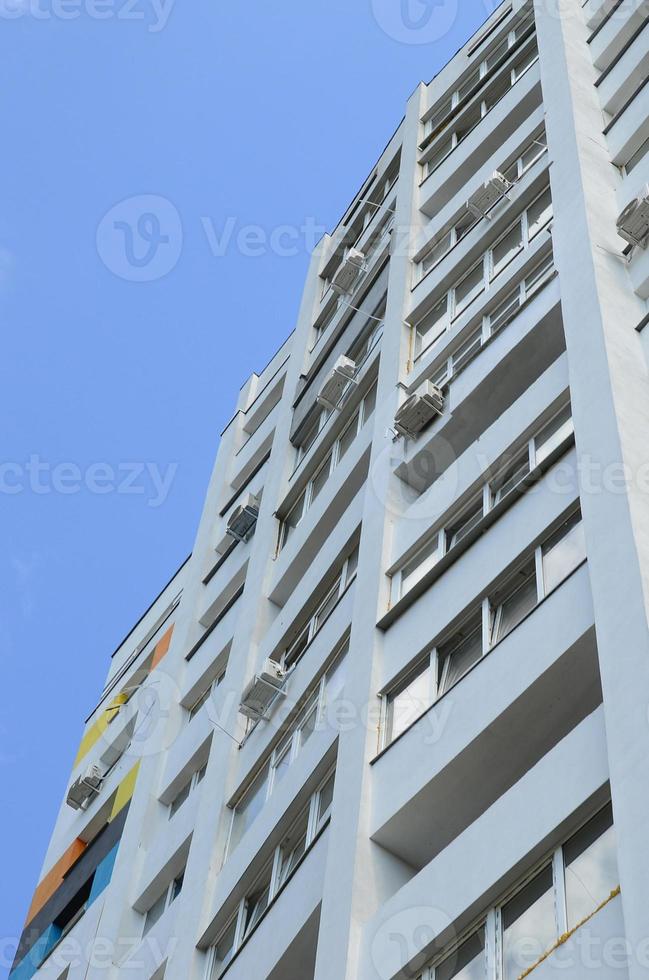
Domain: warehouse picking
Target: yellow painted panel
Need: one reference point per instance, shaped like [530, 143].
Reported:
[125, 791]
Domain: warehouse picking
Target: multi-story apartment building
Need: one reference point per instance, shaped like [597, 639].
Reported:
[391, 718]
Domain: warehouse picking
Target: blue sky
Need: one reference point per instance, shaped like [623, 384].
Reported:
[235, 114]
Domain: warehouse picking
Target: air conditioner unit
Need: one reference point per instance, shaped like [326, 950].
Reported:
[419, 410]
[487, 195]
[242, 520]
[348, 271]
[85, 788]
[337, 380]
[262, 690]
[633, 223]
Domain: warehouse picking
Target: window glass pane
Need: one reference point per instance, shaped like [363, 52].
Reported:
[539, 276]
[639, 155]
[297, 647]
[432, 326]
[437, 252]
[409, 701]
[468, 121]
[539, 213]
[195, 708]
[246, 811]
[470, 287]
[177, 886]
[352, 565]
[534, 151]
[422, 563]
[525, 62]
[293, 847]
[335, 683]
[282, 762]
[308, 725]
[498, 52]
[467, 351]
[320, 478]
[590, 859]
[507, 248]
[514, 602]
[327, 606]
[563, 553]
[464, 225]
[466, 963]
[459, 654]
[200, 775]
[369, 403]
[439, 154]
[256, 903]
[440, 114]
[155, 912]
[347, 437]
[553, 434]
[293, 518]
[505, 312]
[468, 84]
[179, 799]
[497, 90]
[325, 799]
[511, 476]
[224, 950]
[310, 435]
[464, 523]
[529, 926]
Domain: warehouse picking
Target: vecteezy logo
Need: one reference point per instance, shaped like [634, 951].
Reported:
[415, 21]
[141, 238]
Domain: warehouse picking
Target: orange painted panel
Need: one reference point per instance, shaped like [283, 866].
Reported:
[161, 648]
[54, 877]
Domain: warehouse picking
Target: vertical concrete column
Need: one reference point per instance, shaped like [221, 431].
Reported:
[610, 397]
[360, 874]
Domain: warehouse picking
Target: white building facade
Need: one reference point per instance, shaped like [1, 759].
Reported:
[391, 718]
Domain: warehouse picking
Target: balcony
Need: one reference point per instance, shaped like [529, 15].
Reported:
[503, 371]
[612, 34]
[542, 678]
[459, 168]
[622, 80]
[494, 852]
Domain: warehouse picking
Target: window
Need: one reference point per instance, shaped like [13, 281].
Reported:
[249, 806]
[468, 962]
[423, 561]
[408, 701]
[591, 873]
[528, 923]
[511, 476]
[465, 220]
[552, 438]
[452, 129]
[311, 716]
[184, 792]
[553, 434]
[513, 602]
[276, 873]
[637, 157]
[465, 523]
[256, 902]
[159, 907]
[458, 655]
[491, 619]
[205, 696]
[325, 605]
[515, 240]
[224, 950]
[317, 482]
[564, 552]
